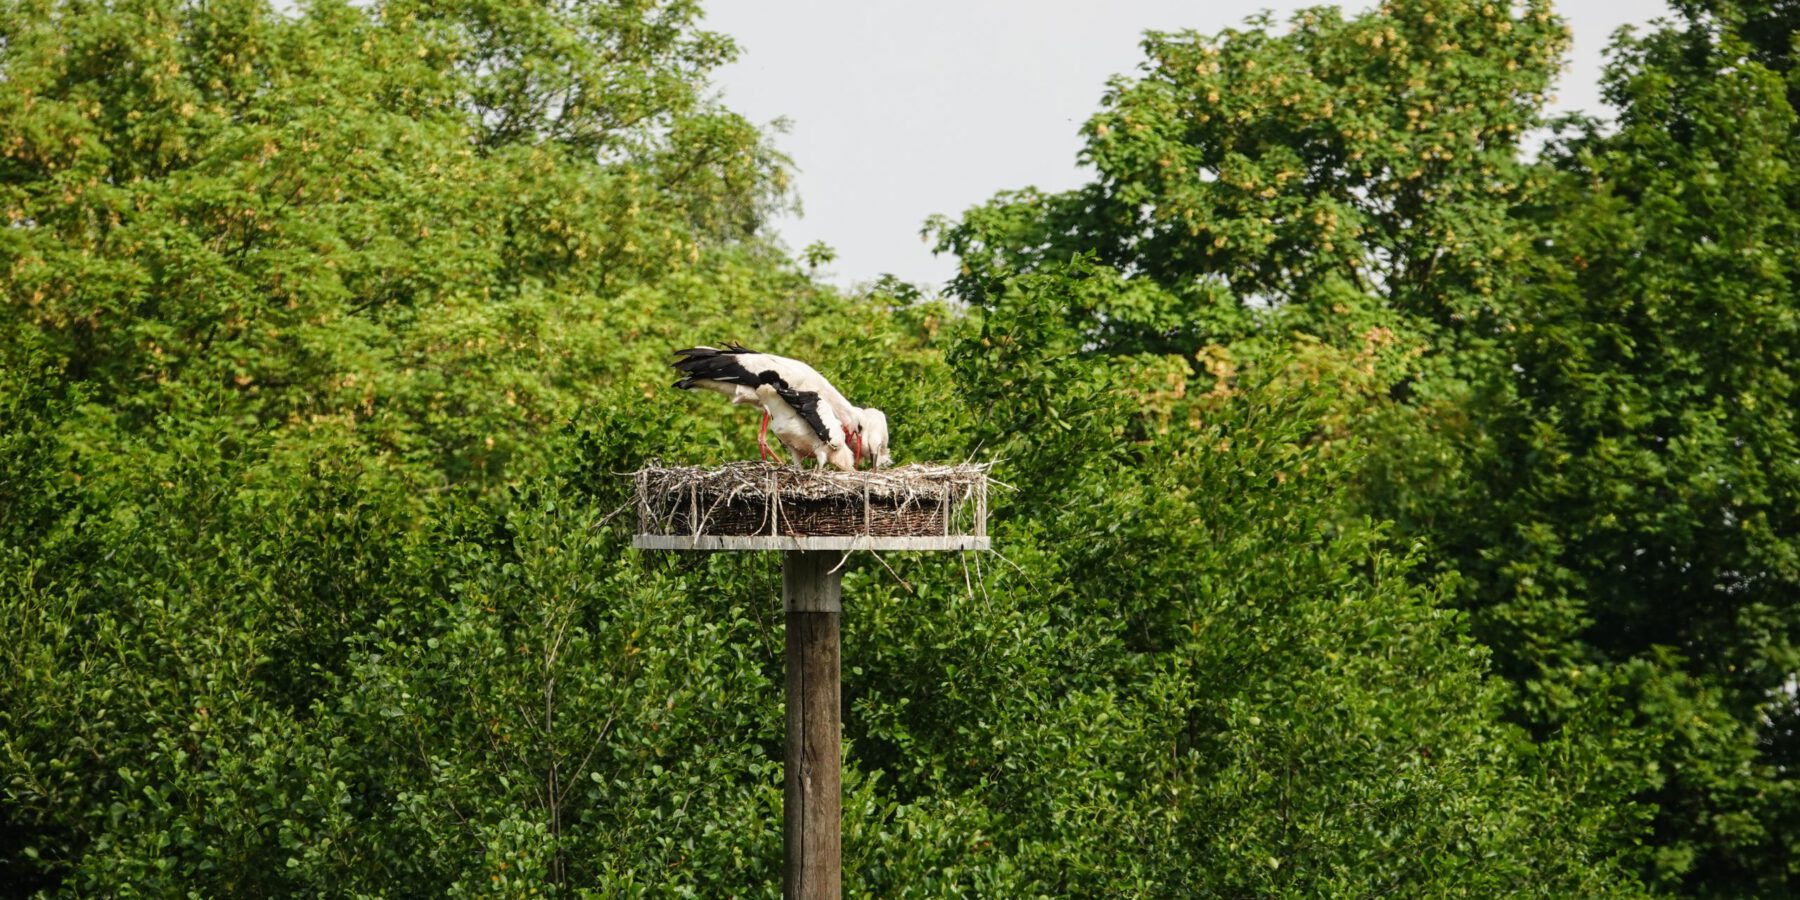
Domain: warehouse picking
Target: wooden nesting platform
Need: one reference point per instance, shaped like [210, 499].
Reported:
[766, 506]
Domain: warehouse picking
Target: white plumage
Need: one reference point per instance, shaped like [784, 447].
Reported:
[798, 437]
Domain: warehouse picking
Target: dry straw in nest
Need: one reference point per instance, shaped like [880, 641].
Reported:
[760, 498]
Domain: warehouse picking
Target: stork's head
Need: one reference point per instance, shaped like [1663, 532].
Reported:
[875, 437]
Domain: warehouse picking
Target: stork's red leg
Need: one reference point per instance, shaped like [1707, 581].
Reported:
[762, 438]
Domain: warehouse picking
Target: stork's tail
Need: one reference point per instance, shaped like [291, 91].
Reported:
[697, 364]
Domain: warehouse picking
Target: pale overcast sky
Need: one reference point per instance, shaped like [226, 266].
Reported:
[899, 110]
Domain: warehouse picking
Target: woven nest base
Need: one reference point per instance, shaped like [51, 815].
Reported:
[751, 499]
[801, 518]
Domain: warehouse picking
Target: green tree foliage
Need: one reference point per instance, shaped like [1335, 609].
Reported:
[1631, 496]
[1323, 177]
[1590, 420]
[217, 209]
[329, 332]
[1239, 690]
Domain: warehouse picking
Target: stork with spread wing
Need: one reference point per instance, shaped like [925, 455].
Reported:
[808, 415]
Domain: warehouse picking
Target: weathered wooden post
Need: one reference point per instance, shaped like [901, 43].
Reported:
[815, 518]
[812, 595]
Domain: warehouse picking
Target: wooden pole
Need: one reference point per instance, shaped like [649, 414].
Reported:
[812, 595]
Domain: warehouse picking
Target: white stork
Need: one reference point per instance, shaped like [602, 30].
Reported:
[809, 415]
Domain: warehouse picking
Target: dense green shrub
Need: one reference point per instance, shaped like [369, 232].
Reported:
[329, 332]
[1586, 435]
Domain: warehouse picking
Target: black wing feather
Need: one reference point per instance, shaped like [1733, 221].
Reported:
[806, 403]
[712, 364]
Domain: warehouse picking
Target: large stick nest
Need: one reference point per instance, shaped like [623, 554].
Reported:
[751, 498]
